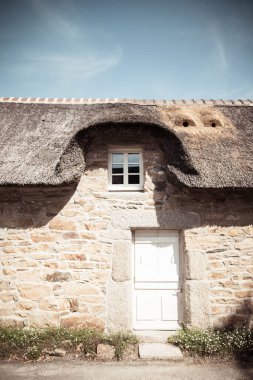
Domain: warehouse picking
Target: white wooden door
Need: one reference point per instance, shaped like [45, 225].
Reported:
[156, 280]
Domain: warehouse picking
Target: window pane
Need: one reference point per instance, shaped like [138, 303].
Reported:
[133, 179]
[117, 179]
[133, 168]
[133, 158]
[117, 158]
[117, 169]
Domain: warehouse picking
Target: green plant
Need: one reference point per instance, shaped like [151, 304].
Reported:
[120, 341]
[226, 342]
[33, 353]
[30, 343]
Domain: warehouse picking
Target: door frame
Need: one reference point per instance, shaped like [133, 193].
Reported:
[181, 276]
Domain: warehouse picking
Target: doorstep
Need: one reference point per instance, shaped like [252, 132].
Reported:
[153, 336]
[159, 351]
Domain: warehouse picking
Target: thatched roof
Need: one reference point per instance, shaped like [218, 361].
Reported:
[208, 144]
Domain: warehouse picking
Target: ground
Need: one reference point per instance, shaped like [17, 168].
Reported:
[62, 369]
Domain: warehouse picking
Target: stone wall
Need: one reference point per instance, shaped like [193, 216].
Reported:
[66, 251]
[224, 258]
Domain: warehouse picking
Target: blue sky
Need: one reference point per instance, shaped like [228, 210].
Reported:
[163, 49]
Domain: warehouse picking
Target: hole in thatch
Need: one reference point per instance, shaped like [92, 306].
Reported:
[213, 123]
[185, 123]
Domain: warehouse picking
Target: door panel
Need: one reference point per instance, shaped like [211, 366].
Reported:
[143, 303]
[145, 262]
[156, 280]
[170, 307]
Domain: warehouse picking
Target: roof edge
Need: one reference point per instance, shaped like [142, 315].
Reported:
[150, 102]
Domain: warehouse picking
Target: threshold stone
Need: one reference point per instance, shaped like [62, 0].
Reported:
[160, 351]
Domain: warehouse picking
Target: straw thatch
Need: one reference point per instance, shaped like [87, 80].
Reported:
[206, 146]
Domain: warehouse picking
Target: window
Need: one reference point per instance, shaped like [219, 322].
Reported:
[125, 170]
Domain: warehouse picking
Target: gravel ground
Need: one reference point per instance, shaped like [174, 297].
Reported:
[62, 369]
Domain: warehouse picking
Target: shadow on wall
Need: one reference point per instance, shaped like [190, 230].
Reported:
[207, 207]
[32, 206]
[243, 315]
[243, 357]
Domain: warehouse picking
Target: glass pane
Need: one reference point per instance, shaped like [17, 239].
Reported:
[133, 168]
[117, 158]
[133, 179]
[133, 158]
[117, 169]
[117, 179]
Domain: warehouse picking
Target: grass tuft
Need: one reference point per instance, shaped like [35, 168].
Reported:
[227, 342]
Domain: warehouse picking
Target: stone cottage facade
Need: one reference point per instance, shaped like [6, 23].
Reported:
[126, 215]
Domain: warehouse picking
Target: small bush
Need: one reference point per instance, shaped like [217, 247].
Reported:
[210, 342]
[33, 353]
[30, 344]
[120, 341]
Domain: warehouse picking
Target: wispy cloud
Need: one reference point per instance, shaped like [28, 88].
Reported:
[53, 18]
[72, 66]
[219, 47]
[81, 52]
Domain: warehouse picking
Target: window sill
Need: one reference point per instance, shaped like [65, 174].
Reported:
[118, 189]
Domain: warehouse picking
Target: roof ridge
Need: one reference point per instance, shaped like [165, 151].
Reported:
[238, 102]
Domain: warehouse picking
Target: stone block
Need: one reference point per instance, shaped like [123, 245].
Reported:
[105, 352]
[49, 304]
[57, 352]
[78, 289]
[73, 305]
[13, 321]
[119, 306]
[9, 271]
[96, 226]
[25, 305]
[121, 260]
[7, 296]
[130, 352]
[244, 294]
[75, 256]
[153, 219]
[160, 351]
[34, 291]
[58, 277]
[62, 224]
[28, 275]
[195, 265]
[7, 309]
[218, 275]
[43, 237]
[81, 320]
[197, 312]
[80, 265]
[70, 235]
[39, 319]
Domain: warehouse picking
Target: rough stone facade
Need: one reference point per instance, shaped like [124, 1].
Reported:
[66, 251]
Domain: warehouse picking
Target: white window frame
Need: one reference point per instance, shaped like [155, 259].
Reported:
[125, 186]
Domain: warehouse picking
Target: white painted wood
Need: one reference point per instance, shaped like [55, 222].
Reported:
[169, 307]
[143, 310]
[156, 280]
